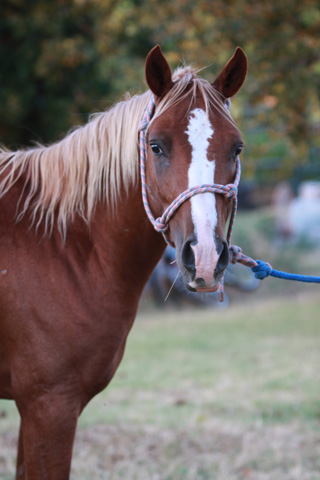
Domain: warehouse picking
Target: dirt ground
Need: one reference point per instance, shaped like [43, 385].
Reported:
[217, 452]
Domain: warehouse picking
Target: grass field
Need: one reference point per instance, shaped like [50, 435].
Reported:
[205, 395]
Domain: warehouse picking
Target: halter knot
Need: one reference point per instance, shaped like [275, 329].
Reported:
[231, 191]
[235, 254]
[160, 226]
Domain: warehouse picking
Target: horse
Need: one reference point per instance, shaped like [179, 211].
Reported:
[77, 247]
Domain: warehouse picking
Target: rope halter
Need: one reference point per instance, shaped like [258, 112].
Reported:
[161, 224]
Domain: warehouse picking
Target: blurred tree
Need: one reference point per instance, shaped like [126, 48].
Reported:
[50, 73]
[63, 59]
[282, 41]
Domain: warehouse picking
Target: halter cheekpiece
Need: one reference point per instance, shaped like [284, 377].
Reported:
[161, 224]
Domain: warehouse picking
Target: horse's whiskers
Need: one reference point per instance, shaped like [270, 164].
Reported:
[174, 281]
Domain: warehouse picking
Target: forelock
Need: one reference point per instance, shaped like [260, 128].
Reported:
[186, 81]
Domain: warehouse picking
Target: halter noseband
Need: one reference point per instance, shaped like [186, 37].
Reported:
[161, 224]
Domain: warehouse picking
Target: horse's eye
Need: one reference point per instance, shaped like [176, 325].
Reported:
[156, 149]
[238, 150]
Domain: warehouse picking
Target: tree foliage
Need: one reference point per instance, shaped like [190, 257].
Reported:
[64, 59]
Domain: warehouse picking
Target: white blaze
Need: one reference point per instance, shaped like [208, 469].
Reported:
[203, 206]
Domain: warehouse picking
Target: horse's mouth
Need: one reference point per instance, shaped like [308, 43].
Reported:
[211, 289]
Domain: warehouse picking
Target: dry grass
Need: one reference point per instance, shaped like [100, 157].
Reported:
[219, 451]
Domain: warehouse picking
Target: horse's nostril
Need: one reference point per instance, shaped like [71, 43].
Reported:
[187, 256]
[223, 261]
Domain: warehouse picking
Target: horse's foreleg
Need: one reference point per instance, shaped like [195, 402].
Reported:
[48, 426]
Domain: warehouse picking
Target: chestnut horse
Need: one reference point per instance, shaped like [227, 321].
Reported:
[77, 248]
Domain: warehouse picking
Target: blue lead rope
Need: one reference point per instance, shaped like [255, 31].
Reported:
[263, 270]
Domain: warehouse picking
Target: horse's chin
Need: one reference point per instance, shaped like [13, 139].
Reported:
[210, 289]
[192, 285]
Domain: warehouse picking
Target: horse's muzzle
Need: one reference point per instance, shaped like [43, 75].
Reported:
[203, 267]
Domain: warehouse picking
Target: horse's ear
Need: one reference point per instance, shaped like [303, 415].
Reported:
[158, 72]
[233, 75]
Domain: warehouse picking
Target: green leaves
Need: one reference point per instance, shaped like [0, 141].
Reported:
[62, 60]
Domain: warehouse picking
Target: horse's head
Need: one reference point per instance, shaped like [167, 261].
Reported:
[192, 140]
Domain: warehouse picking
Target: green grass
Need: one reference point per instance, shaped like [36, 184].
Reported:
[248, 363]
[205, 394]
[211, 394]
[231, 394]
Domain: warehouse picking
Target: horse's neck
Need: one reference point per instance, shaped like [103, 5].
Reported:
[127, 243]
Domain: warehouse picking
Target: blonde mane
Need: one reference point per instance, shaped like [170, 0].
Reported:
[93, 162]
